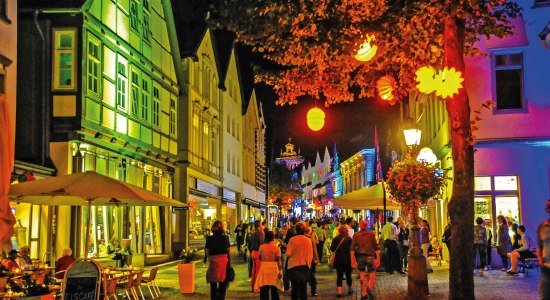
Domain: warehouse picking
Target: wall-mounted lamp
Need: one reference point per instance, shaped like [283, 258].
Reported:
[98, 135]
[138, 149]
[113, 140]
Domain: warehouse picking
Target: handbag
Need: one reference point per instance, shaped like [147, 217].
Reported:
[229, 271]
[333, 255]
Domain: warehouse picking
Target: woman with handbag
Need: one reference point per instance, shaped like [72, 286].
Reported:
[270, 276]
[340, 259]
[217, 253]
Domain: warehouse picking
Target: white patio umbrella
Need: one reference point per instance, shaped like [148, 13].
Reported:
[87, 188]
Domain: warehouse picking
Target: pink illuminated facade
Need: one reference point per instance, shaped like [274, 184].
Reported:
[512, 158]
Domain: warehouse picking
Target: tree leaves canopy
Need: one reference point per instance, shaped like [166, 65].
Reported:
[314, 40]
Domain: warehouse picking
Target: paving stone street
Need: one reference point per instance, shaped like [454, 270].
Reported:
[494, 285]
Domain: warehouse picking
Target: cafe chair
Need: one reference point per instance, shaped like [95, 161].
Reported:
[110, 289]
[126, 287]
[136, 285]
[151, 283]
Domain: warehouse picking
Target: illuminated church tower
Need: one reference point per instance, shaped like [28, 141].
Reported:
[290, 158]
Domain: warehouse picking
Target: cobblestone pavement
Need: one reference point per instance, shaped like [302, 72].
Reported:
[495, 285]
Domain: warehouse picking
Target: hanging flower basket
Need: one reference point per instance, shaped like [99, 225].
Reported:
[412, 183]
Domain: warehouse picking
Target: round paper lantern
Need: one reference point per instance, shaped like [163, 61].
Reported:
[385, 86]
[315, 119]
[426, 78]
[449, 82]
[367, 50]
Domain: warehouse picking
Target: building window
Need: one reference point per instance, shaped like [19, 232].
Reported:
[94, 62]
[156, 106]
[497, 195]
[228, 162]
[195, 120]
[134, 20]
[145, 98]
[135, 93]
[2, 82]
[146, 4]
[508, 77]
[121, 84]
[4, 11]
[146, 28]
[172, 116]
[64, 66]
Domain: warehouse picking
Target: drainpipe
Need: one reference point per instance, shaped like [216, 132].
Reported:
[43, 76]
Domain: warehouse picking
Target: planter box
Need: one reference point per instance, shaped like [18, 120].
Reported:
[186, 276]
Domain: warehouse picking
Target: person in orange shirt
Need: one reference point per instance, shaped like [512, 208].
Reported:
[300, 255]
[365, 249]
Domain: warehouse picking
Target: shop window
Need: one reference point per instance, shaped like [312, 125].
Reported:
[64, 60]
[134, 108]
[508, 80]
[145, 99]
[497, 195]
[94, 63]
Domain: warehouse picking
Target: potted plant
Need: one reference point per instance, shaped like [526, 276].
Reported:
[186, 270]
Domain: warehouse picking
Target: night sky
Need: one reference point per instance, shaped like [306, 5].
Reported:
[349, 125]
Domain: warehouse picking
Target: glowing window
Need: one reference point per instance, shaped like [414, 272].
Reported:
[506, 183]
[94, 62]
[64, 65]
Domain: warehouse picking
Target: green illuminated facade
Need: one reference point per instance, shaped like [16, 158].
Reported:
[109, 99]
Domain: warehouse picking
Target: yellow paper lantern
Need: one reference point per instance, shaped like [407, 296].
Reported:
[367, 50]
[426, 78]
[385, 86]
[449, 82]
[315, 119]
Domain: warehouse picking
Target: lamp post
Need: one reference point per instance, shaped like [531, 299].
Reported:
[417, 273]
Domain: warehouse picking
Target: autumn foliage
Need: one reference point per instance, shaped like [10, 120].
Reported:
[314, 41]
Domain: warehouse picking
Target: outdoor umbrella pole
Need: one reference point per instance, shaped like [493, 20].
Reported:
[384, 193]
[88, 219]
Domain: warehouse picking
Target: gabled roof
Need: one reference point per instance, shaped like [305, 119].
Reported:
[246, 74]
[190, 20]
[50, 4]
[223, 42]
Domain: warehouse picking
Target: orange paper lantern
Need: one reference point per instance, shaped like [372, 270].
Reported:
[385, 86]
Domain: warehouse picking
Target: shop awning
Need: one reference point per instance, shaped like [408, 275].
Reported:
[366, 198]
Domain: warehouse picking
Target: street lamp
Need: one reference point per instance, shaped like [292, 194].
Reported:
[412, 136]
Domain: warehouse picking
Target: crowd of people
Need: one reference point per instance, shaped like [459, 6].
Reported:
[285, 258]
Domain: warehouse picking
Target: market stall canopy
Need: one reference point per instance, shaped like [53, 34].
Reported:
[79, 189]
[366, 198]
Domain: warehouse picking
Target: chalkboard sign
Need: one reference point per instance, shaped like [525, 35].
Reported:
[82, 281]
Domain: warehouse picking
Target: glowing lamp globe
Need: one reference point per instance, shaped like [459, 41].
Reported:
[367, 50]
[426, 154]
[385, 86]
[315, 119]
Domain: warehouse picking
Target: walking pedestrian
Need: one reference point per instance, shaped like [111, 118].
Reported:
[315, 262]
[341, 246]
[543, 254]
[480, 242]
[365, 249]
[256, 239]
[217, 253]
[239, 235]
[390, 235]
[299, 253]
[403, 239]
[425, 243]
[271, 271]
[504, 244]
[291, 232]
[321, 238]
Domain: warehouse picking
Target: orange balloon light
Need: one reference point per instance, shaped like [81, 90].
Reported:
[367, 50]
[385, 86]
[315, 119]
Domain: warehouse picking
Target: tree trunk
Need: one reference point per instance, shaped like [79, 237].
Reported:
[461, 206]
